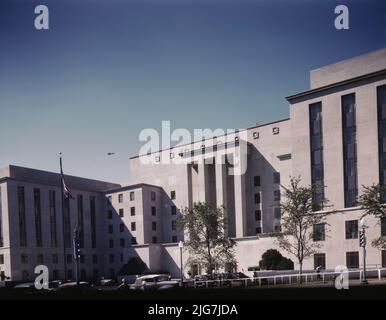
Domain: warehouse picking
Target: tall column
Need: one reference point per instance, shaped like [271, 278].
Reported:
[240, 206]
[202, 182]
[221, 187]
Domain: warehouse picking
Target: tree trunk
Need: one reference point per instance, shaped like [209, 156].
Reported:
[301, 271]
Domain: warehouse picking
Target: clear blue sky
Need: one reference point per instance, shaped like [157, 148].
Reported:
[107, 69]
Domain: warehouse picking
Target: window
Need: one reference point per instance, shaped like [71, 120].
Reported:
[55, 258]
[349, 150]
[53, 230]
[275, 130]
[352, 260]
[173, 195]
[276, 177]
[381, 103]
[152, 196]
[256, 181]
[38, 218]
[120, 197]
[383, 227]
[121, 227]
[255, 135]
[111, 229]
[110, 214]
[122, 242]
[153, 211]
[352, 229]
[83, 274]
[277, 213]
[132, 211]
[82, 258]
[1, 259]
[22, 217]
[24, 259]
[93, 222]
[134, 240]
[94, 258]
[55, 274]
[133, 226]
[121, 213]
[111, 258]
[258, 230]
[257, 198]
[317, 171]
[383, 258]
[132, 196]
[174, 239]
[174, 225]
[111, 243]
[174, 210]
[25, 275]
[276, 195]
[154, 239]
[69, 258]
[80, 220]
[257, 215]
[319, 233]
[320, 261]
[109, 200]
[154, 226]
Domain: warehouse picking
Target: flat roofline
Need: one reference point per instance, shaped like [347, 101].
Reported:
[336, 84]
[193, 142]
[348, 59]
[74, 179]
[131, 187]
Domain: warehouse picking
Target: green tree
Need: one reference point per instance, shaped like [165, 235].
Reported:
[372, 202]
[298, 218]
[135, 266]
[206, 242]
[273, 260]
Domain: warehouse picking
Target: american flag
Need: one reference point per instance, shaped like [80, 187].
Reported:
[66, 191]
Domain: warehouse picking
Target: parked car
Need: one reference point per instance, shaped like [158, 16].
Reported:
[154, 282]
[72, 286]
[27, 287]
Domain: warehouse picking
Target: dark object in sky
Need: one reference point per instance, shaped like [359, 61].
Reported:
[110, 153]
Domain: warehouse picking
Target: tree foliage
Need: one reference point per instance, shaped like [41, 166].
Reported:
[134, 266]
[372, 202]
[298, 219]
[273, 260]
[206, 242]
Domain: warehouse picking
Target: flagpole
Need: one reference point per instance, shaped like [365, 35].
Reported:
[63, 220]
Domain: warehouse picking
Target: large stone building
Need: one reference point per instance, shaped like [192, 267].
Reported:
[334, 137]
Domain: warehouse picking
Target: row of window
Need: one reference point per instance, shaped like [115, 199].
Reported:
[349, 146]
[276, 196]
[133, 226]
[70, 274]
[53, 219]
[352, 260]
[275, 177]
[121, 212]
[132, 197]
[54, 258]
[351, 230]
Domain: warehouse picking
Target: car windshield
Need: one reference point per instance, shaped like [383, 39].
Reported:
[163, 278]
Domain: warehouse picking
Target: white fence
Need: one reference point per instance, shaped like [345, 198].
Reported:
[291, 279]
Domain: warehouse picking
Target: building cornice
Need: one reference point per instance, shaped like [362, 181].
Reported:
[336, 85]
